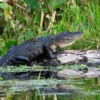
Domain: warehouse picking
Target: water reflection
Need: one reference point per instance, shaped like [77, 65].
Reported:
[72, 89]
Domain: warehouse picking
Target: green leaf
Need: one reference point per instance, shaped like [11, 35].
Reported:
[53, 4]
[7, 13]
[7, 8]
[4, 6]
[2, 43]
[45, 4]
[32, 4]
[20, 39]
[28, 35]
[10, 43]
[6, 45]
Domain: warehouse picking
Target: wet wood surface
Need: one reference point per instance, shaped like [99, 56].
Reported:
[88, 57]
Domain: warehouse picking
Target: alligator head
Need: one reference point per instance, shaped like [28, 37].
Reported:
[66, 38]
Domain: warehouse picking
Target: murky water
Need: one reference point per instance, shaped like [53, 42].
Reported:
[51, 89]
[16, 88]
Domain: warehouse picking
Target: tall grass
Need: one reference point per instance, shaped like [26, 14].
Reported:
[81, 18]
[74, 16]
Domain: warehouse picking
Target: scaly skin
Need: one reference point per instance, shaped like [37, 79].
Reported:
[30, 49]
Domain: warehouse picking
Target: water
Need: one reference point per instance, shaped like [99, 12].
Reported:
[50, 89]
[34, 88]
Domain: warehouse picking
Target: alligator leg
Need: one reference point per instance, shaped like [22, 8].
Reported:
[21, 60]
[49, 51]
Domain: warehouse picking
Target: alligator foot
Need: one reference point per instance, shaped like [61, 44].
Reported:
[49, 52]
[51, 63]
[43, 61]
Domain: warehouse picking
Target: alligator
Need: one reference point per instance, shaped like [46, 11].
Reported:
[28, 50]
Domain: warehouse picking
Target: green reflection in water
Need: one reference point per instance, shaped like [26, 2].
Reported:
[72, 89]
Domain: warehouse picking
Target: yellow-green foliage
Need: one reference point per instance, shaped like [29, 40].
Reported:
[51, 17]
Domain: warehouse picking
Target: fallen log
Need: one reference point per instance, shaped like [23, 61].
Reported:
[88, 57]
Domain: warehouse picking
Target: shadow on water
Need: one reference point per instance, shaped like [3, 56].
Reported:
[51, 89]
